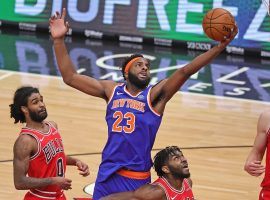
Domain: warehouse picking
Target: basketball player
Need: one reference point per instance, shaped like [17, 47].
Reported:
[39, 163]
[134, 110]
[174, 181]
[261, 144]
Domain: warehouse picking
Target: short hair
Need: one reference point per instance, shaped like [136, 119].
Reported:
[20, 99]
[127, 59]
[162, 157]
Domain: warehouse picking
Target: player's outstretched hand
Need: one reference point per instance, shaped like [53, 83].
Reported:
[254, 168]
[234, 32]
[83, 168]
[63, 183]
[58, 26]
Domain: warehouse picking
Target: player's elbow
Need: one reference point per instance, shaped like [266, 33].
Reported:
[67, 80]
[18, 185]
[69, 77]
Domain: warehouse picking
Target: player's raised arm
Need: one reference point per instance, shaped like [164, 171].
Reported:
[86, 84]
[164, 91]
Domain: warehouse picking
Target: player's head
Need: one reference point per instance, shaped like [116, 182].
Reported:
[136, 70]
[171, 161]
[27, 104]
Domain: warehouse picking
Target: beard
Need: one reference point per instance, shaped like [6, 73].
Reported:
[38, 116]
[137, 82]
[178, 174]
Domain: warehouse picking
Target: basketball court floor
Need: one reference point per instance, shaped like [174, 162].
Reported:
[213, 118]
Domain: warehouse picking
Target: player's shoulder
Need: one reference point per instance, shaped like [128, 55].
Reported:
[265, 115]
[159, 84]
[189, 181]
[264, 121]
[155, 187]
[54, 124]
[25, 140]
[109, 83]
[109, 87]
[266, 112]
[25, 137]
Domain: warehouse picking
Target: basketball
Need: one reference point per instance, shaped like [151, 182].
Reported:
[218, 24]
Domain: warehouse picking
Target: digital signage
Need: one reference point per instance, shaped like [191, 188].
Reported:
[163, 22]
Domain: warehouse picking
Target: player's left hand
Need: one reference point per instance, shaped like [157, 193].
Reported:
[58, 26]
[83, 168]
[254, 168]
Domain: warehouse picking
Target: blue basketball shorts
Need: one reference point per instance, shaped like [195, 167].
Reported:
[117, 183]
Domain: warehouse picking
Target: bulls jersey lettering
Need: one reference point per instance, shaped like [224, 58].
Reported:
[52, 148]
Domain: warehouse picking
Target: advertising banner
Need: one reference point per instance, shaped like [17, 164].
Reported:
[228, 75]
[163, 22]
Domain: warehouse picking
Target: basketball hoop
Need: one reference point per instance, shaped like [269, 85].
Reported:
[266, 3]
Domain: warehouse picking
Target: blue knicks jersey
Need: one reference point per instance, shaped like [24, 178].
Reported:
[132, 127]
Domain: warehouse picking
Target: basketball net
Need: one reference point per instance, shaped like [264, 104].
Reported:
[266, 3]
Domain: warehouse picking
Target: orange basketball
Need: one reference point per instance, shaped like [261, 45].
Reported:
[218, 24]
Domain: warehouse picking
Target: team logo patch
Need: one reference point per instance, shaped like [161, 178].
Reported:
[141, 97]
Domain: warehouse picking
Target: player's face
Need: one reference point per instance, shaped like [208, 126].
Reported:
[178, 166]
[139, 74]
[36, 108]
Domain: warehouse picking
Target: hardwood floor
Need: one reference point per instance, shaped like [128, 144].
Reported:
[215, 134]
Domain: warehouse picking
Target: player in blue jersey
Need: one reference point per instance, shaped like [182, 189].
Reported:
[134, 110]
